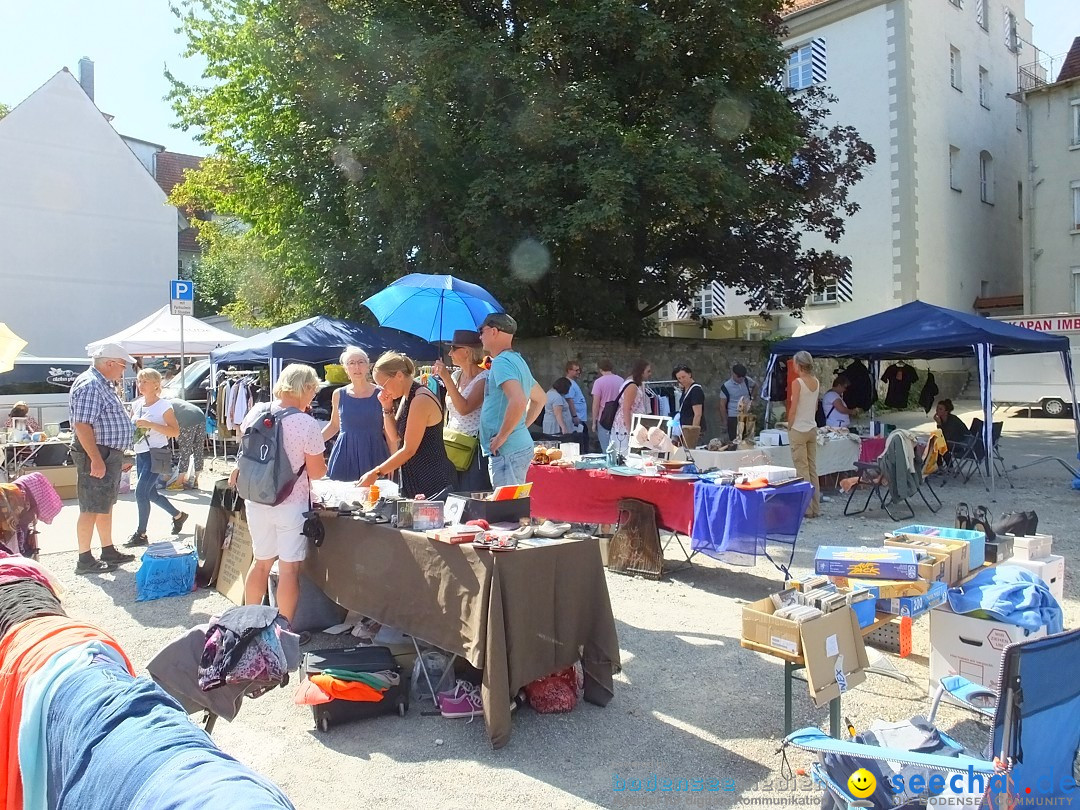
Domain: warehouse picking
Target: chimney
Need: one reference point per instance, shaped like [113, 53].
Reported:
[86, 76]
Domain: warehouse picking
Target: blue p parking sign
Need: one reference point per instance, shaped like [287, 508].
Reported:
[182, 297]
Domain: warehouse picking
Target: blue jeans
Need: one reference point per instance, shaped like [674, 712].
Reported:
[604, 435]
[146, 492]
[510, 468]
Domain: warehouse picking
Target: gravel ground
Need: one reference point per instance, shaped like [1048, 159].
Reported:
[690, 702]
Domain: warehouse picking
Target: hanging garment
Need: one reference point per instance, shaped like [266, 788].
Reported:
[929, 393]
[861, 393]
[227, 639]
[899, 377]
[112, 735]
[778, 382]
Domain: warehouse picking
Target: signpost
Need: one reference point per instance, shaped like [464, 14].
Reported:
[182, 302]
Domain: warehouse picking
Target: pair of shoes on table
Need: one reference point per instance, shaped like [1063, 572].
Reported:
[551, 530]
[178, 522]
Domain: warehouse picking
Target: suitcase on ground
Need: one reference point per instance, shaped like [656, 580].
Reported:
[356, 659]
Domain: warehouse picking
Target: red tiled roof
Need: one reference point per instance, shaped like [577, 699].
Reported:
[169, 168]
[1071, 67]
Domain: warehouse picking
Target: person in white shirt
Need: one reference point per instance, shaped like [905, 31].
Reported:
[837, 413]
[155, 424]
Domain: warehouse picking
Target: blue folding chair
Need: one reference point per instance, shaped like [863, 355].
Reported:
[1036, 733]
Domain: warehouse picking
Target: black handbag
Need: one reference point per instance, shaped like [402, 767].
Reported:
[607, 416]
[160, 460]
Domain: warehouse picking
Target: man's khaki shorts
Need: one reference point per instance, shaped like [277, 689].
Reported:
[97, 495]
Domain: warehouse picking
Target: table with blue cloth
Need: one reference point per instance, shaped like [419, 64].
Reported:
[733, 525]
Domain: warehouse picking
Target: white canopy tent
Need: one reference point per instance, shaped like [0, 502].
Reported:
[159, 334]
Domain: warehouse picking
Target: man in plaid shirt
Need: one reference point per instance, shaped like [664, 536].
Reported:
[103, 431]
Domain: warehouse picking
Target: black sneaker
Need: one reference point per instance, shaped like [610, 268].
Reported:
[137, 539]
[178, 522]
[113, 557]
[92, 566]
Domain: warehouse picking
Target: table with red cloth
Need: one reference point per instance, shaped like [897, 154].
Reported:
[871, 448]
[592, 496]
[726, 522]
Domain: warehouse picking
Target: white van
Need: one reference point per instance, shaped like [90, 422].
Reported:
[1034, 380]
[43, 383]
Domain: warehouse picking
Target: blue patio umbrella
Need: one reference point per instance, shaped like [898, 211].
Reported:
[432, 307]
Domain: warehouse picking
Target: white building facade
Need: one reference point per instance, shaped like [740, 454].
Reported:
[925, 82]
[90, 242]
[1052, 228]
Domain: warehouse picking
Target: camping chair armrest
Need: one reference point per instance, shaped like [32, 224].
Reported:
[965, 691]
[821, 776]
[814, 739]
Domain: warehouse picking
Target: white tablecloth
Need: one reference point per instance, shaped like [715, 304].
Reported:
[835, 455]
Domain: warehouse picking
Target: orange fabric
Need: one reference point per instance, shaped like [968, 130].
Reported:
[346, 690]
[25, 649]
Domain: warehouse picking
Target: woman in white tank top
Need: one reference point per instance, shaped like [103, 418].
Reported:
[802, 426]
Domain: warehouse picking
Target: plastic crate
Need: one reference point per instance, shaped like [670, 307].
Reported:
[977, 540]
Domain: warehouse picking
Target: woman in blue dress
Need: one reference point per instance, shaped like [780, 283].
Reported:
[357, 414]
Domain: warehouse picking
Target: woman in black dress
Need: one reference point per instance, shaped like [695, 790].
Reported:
[413, 430]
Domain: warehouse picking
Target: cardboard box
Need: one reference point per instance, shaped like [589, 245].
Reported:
[959, 551]
[461, 507]
[970, 647]
[64, 479]
[1032, 546]
[1050, 570]
[834, 654]
[885, 588]
[866, 563]
[236, 557]
[915, 605]
[761, 627]
[999, 549]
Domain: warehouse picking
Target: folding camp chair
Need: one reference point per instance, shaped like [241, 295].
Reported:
[973, 459]
[1036, 737]
[873, 477]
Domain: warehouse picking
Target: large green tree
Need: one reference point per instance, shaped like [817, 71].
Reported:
[586, 160]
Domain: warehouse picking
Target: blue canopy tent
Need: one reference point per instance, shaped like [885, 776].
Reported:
[921, 331]
[319, 340]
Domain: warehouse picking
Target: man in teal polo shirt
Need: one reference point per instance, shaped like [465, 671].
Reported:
[512, 401]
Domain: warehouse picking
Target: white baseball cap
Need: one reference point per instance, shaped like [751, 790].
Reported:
[111, 351]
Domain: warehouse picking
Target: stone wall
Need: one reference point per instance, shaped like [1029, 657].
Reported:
[711, 360]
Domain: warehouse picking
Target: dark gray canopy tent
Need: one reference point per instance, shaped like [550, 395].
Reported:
[921, 331]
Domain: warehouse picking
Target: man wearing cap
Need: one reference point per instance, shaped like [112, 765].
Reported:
[731, 392]
[103, 431]
[512, 401]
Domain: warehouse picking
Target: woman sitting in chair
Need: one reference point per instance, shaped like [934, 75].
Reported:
[954, 431]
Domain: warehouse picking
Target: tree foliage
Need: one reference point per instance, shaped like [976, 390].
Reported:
[586, 160]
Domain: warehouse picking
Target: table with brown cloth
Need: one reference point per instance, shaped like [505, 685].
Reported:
[517, 615]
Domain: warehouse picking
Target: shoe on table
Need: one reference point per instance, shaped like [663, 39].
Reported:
[89, 565]
[178, 522]
[110, 555]
[137, 539]
[551, 530]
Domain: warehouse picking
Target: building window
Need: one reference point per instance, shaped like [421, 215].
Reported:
[1074, 119]
[1012, 41]
[828, 294]
[981, 16]
[1076, 205]
[984, 87]
[986, 177]
[807, 65]
[1020, 204]
[954, 168]
[954, 68]
[1076, 289]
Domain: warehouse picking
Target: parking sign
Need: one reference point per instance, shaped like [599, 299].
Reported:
[181, 297]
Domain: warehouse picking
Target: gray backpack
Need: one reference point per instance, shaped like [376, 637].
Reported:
[264, 474]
